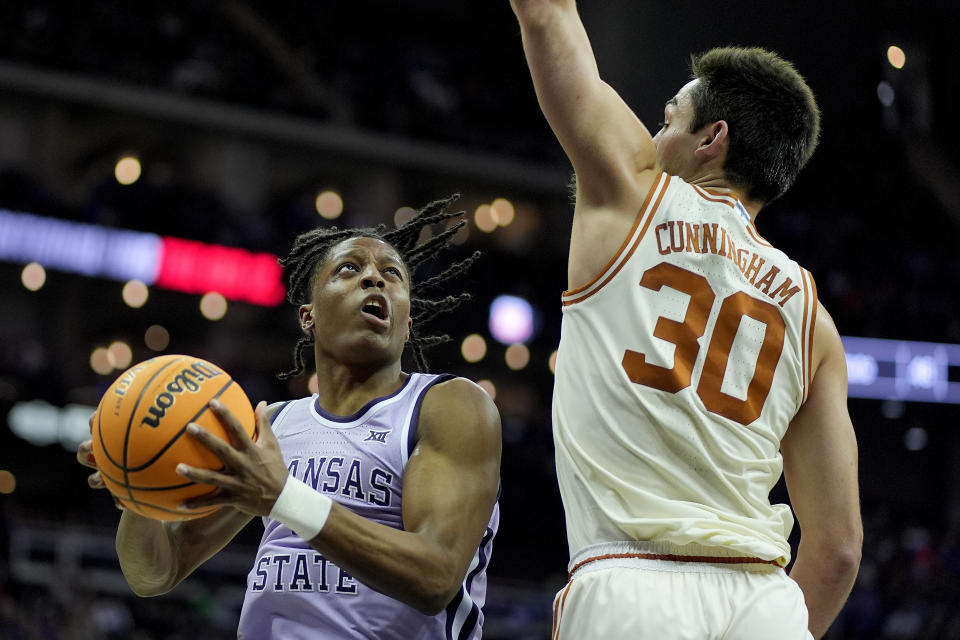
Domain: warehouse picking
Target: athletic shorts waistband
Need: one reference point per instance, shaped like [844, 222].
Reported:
[664, 556]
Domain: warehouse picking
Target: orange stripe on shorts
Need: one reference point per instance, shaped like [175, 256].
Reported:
[558, 611]
[676, 558]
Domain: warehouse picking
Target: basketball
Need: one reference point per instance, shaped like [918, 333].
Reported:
[139, 432]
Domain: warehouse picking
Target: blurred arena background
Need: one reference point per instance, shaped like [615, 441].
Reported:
[142, 143]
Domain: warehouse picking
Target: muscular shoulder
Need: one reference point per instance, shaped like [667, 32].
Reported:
[459, 410]
[602, 222]
[828, 388]
[827, 346]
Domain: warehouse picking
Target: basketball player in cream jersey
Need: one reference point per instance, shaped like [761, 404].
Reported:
[695, 363]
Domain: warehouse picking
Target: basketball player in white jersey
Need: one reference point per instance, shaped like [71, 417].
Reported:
[695, 363]
[378, 494]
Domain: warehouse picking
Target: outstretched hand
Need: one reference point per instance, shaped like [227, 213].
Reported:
[254, 472]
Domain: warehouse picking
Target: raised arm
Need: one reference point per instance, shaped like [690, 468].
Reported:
[450, 486]
[820, 469]
[605, 141]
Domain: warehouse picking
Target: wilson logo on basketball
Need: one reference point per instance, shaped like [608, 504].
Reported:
[187, 381]
[123, 383]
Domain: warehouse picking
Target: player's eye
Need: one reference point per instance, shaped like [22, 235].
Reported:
[347, 265]
[395, 271]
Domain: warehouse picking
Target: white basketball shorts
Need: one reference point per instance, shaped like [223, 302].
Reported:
[652, 591]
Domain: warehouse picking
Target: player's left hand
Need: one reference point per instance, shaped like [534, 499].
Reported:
[85, 457]
[254, 472]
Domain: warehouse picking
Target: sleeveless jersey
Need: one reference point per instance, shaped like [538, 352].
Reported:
[293, 591]
[679, 369]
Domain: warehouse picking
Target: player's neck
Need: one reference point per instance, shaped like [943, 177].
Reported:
[719, 184]
[344, 389]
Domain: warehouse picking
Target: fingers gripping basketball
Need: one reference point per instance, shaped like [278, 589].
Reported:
[139, 432]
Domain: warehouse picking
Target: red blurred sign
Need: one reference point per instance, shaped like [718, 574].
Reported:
[196, 267]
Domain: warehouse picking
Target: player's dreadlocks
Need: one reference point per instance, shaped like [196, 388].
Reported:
[310, 248]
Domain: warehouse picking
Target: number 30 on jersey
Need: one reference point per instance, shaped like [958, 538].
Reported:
[685, 335]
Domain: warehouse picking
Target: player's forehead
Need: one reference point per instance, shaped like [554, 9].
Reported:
[682, 101]
[365, 247]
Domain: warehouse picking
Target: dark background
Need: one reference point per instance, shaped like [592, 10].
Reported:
[241, 113]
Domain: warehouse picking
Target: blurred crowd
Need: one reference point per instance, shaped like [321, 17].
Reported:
[396, 73]
[908, 589]
[857, 205]
[909, 582]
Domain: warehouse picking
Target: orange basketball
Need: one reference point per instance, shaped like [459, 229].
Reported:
[139, 432]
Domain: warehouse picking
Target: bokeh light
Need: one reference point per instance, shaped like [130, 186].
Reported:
[485, 218]
[213, 306]
[156, 337]
[8, 483]
[896, 56]
[893, 409]
[402, 215]
[915, 439]
[135, 294]
[552, 362]
[127, 170]
[329, 204]
[101, 362]
[33, 276]
[885, 93]
[504, 211]
[511, 319]
[517, 356]
[489, 387]
[473, 348]
[120, 354]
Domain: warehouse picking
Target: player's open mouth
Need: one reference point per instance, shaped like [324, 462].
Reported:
[375, 308]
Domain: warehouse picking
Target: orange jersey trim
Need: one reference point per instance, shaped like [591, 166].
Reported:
[813, 323]
[804, 364]
[712, 196]
[647, 211]
[806, 329]
[752, 230]
[675, 558]
[731, 201]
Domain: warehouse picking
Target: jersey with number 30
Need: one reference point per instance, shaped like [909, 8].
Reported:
[680, 367]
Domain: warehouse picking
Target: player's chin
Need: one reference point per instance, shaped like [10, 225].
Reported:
[376, 347]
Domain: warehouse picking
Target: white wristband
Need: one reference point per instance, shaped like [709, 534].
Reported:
[301, 508]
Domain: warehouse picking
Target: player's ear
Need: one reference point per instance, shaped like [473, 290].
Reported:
[714, 141]
[306, 318]
[409, 329]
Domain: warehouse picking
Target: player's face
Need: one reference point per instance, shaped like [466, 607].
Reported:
[361, 303]
[675, 143]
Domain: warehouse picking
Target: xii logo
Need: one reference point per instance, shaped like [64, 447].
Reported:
[377, 436]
